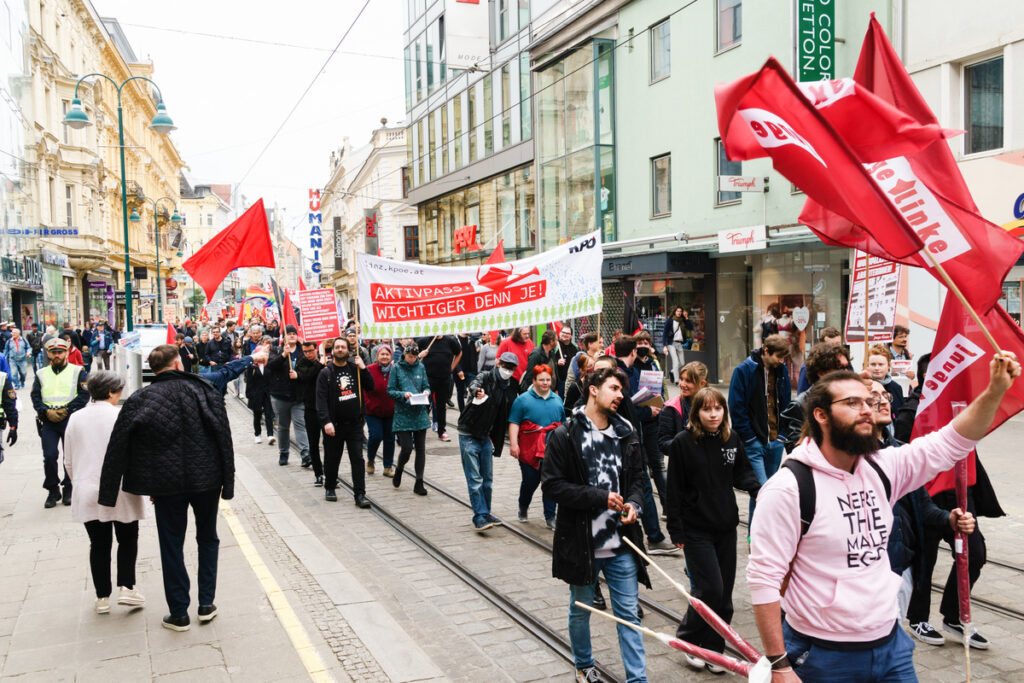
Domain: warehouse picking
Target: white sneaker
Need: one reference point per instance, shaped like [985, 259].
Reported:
[130, 596]
[693, 661]
[258, 439]
[272, 440]
[102, 605]
[714, 668]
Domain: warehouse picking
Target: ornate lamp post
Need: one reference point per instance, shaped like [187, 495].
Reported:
[176, 221]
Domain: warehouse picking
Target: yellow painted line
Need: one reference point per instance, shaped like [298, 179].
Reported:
[285, 614]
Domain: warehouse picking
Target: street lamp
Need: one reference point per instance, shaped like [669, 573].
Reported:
[161, 123]
[176, 221]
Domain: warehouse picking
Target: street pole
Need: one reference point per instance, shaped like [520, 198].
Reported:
[124, 216]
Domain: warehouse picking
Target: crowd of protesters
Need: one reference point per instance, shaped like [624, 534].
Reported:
[568, 415]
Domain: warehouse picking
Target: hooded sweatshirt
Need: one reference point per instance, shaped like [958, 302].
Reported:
[841, 589]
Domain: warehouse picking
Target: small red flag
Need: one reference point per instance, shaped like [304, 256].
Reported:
[244, 243]
[241, 313]
[288, 311]
[498, 255]
[171, 333]
[302, 285]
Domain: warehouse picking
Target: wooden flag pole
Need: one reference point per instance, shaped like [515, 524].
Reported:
[867, 297]
[959, 295]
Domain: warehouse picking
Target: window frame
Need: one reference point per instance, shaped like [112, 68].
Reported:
[654, 184]
[719, 48]
[411, 236]
[719, 151]
[965, 105]
[69, 205]
[652, 79]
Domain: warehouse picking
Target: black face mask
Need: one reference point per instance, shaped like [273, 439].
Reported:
[643, 351]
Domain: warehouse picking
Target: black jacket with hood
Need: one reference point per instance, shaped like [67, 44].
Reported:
[489, 418]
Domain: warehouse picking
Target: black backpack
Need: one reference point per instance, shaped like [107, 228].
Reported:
[808, 495]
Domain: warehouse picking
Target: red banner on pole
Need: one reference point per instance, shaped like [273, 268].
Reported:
[319, 314]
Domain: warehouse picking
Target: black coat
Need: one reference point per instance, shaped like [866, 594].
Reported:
[219, 352]
[308, 371]
[282, 386]
[489, 418]
[170, 437]
[670, 423]
[564, 480]
[257, 384]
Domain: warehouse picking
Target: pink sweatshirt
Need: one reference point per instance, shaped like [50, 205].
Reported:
[842, 588]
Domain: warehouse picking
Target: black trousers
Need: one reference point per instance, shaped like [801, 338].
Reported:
[348, 437]
[711, 561]
[171, 525]
[407, 441]
[101, 540]
[260, 404]
[313, 430]
[440, 392]
[921, 597]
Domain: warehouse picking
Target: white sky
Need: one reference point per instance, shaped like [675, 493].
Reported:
[227, 97]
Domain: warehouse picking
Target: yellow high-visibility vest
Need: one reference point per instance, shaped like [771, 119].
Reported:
[59, 389]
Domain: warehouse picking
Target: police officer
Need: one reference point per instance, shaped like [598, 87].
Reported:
[8, 410]
[57, 391]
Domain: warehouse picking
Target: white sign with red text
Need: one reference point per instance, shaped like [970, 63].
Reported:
[740, 183]
[742, 239]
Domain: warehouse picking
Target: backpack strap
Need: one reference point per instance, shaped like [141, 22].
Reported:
[881, 475]
[808, 494]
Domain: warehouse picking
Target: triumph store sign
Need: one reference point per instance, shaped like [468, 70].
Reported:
[400, 299]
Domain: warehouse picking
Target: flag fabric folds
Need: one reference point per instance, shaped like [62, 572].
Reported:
[246, 242]
[171, 333]
[630, 322]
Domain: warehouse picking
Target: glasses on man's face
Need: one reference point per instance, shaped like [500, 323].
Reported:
[884, 397]
[858, 403]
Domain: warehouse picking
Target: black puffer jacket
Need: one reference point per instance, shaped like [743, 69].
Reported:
[489, 418]
[170, 437]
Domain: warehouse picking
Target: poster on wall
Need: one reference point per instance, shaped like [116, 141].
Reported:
[883, 292]
[401, 299]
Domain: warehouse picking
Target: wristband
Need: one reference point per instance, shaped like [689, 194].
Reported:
[779, 663]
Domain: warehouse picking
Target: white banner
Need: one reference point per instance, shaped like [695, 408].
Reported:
[399, 299]
[883, 292]
[467, 34]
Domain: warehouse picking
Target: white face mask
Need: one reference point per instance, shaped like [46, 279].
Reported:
[504, 373]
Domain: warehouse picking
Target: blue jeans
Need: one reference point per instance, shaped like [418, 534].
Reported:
[892, 662]
[288, 412]
[620, 573]
[765, 461]
[477, 465]
[649, 517]
[380, 433]
[19, 371]
[531, 480]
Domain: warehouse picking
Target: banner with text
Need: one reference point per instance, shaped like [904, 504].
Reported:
[318, 313]
[883, 290]
[399, 299]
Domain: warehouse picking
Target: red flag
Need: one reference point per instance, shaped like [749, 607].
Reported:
[557, 327]
[958, 372]
[241, 313]
[498, 255]
[171, 333]
[288, 312]
[302, 285]
[975, 253]
[765, 114]
[246, 242]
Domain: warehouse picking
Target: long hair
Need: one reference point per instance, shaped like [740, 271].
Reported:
[709, 396]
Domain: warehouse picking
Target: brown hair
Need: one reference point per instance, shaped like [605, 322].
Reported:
[643, 335]
[623, 346]
[584, 363]
[695, 371]
[776, 343]
[588, 339]
[598, 377]
[879, 350]
[706, 397]
[823, 358]
[162, 357]
[820, 396]
[830, 332]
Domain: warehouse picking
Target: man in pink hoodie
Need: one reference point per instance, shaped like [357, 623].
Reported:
[832, 577]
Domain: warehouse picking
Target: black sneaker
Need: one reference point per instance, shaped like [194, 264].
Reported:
[177, 623]
[482, 524]
[307, 462]
[361, 501]
[926, 633]
[587, 674]
[639, 611]
[396, 480]
[493, 520]
[52, 498]
[319, 481]
[282, 460]
[207, 613]
[330, 496]
[977, 641]
[419, 489]
[598, 601]
[66, 498]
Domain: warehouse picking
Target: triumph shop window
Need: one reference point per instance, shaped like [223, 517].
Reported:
[983, 106]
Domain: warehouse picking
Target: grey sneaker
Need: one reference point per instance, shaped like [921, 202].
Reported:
[523, 517]
[587, 674]
[662, 547]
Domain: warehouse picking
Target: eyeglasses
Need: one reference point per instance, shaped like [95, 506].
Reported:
[857, 402]
[884, 397]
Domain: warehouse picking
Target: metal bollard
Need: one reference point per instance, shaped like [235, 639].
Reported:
[127, 364]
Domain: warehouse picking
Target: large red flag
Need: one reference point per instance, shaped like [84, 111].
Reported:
[172, 333]
[975, 253]
[246, 242]
[958, 372]
[766, 114]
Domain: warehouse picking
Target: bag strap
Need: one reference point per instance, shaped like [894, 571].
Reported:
[808, 495]
[881, 475]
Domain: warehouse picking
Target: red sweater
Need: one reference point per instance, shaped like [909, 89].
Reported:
[377, 402]
[522, 352]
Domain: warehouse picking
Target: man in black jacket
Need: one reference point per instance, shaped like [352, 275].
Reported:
[339, 404]
[566, 352]
[172, 441]
[466, 370]
[592, 470]
[308, 369]
[218, 350]
[440, 356]
[284, 396]
[482, 427]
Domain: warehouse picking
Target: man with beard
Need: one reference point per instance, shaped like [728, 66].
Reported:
[339, 404]
[308, 369]
[284, 387]
[830, 550]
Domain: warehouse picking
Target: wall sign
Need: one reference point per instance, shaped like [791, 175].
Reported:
[742, 183]
[467, 34]
[24, 272]
[372, 231]
[316, 236]
[743, 239]
[464, 239]
[1018, 207]
[815, 40]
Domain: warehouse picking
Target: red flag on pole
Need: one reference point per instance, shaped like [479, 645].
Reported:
[288, 313]
[246, 242]
[171, 333]
[928, 188]
[498, 255]
[241, 312]
[302, 285]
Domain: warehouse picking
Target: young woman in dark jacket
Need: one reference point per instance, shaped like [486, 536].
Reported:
[705, 463]
[692, 378]
[574, 390]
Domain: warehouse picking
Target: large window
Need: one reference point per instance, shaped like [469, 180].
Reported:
[983, 106]
[730, 23]
[661, 185]
[525, 113]
[506, 105]
[726, 167]
[412, 242]
[661, 63]
[488, 116]
[69, 205]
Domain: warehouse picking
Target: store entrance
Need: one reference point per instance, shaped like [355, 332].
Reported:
[658, 298]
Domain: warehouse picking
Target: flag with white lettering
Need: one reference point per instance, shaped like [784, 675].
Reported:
[767, 114]
[928, 190]
[958, 372]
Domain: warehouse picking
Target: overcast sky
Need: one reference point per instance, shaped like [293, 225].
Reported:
[227, 97]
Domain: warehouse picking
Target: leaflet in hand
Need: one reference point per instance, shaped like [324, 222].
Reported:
[643, 396]
[422, 399]
[652, 380]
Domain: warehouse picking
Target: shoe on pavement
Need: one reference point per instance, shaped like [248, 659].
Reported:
[177, 623]
[389, 471]
[207, 613]
[639, 611]
[482, 524]
[450, 404]
[444, 436]
[66, 498]
[695, 662]
[522, 516]
[370, 467]
[396, 481]
[493, 520]
[977, 641]
[52, 498]
[272, 440]
[307, 462]
[714, 668]
[258, 439]
[598, 601]
[433, 426]
[662, 547]
[102, 605]
[130, 597]
[419, 489]
[319, 481]
[926, 633]
[588, 674]
[282, 460]
[330, 496]
[361, 501]
[550, 523]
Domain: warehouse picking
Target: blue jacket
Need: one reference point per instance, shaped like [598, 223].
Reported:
[17, 351]
[748, 406]
[221, 375]
[668, 333]
[108, 341]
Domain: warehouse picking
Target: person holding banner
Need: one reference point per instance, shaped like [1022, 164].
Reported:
[440, 356]
[308, 369]
[284, 397]
[380, 412]
[410, 389]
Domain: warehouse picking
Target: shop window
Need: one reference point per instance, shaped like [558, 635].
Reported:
[69, 205]
[525, 104]
[506, 105]
[661, 185]
[983, 106]
[661, 63]
[726, 167]
[730, 23]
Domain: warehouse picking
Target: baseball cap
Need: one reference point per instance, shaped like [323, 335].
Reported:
[510, 358]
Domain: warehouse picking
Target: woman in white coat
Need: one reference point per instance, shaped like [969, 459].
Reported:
[85, 445]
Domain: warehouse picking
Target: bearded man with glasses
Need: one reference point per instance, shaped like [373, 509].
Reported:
[828, 568]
